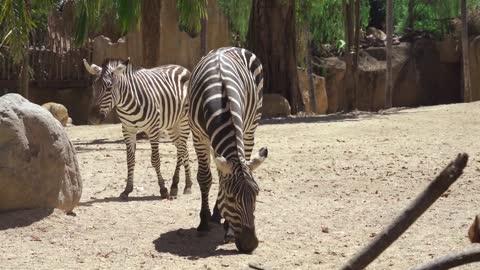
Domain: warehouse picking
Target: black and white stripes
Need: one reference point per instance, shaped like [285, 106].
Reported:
[147, 100]
[225, 97]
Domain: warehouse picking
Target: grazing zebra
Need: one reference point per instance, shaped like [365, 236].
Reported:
[225, 96]
[150, 101]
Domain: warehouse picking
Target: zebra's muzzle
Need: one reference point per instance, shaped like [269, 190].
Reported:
[96, 116]
[246, 241]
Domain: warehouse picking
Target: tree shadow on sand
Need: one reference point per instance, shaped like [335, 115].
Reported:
[187, 243]
[22, 218]
[337, 117]
[117, 199]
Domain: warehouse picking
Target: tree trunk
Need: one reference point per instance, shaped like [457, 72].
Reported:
[356, 34]
[203, 38]
[349, 15]
[467, 94]
[151, 32]
[23, 79]
[389, 75]
[272, 37]
[411, 14]
[313, 101]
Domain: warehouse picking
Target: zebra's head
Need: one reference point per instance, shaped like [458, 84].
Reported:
[103, 97]
[239, 198]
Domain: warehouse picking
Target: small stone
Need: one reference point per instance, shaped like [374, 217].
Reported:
[325, 229]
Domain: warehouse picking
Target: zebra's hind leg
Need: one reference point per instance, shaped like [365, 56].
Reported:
[130, 141]
[179, 136]
[154, 140]
[204, 178]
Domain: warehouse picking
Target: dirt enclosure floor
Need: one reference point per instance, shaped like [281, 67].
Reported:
[330, 183]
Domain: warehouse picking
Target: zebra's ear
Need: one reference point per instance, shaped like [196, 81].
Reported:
[119, 69]
[223, 165]
[258, 159]
[92, 69]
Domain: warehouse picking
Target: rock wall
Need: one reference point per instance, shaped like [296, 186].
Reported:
[424, 73]
[321, 100]
[475, 67]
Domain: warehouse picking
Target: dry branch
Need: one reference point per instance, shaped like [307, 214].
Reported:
[409, 215]
[452, 260]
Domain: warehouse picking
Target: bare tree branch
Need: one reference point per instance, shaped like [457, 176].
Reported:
[409, 215]
[452, 260]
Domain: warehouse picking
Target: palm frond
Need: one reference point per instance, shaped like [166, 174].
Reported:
[128, 14]
[17, 22]
[80, 33]
[90, 16]
[190, 15]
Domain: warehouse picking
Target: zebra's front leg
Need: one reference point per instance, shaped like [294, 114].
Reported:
[130, 141]
[204, 178]
[229, 236]
[217, 216]
[156, 164]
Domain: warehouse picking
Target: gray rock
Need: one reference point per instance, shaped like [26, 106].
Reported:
[275, 105]
[38, 165]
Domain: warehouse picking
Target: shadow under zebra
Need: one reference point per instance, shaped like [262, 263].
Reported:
[187, 243]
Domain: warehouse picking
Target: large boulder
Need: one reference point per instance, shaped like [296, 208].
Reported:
[38, 166]
[275, 105]
[58, 111]
[334, 83]
[321, 101]
[371, 75]
[474, 55]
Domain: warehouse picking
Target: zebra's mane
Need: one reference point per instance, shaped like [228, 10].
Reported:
[113, 62]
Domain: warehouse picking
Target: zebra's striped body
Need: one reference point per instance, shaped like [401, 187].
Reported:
[150, 101]
[225, 97]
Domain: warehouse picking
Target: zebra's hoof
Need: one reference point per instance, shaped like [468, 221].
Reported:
[124, 196]
[228, 239]
[187, 191]
[216, 218]
[164, 194]
[202, 233]
[173, 192]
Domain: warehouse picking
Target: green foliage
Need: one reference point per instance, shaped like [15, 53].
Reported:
[190, 15]
[90, 15]
[238, 14]
[432, 16]
[17, 21]
[325, 19]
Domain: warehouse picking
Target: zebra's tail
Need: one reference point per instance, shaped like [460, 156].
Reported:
[236, 115]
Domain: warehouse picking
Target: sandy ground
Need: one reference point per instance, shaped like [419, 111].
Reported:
[329, 185]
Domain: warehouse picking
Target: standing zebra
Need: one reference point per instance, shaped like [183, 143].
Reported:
[225, 97]
[148, 100]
